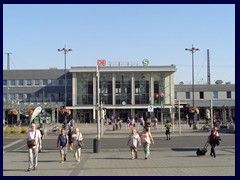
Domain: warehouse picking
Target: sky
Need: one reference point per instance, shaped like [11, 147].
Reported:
[123, 32]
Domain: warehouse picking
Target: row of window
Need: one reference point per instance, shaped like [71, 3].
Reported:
[201, 95]
[36, 82]
[139, 100]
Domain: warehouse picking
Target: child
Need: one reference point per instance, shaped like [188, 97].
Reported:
[134, 141]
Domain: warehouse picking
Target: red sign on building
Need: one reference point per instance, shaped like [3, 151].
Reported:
[101, 62]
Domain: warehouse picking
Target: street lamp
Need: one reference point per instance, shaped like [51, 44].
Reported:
[193, 50]
[65, 51]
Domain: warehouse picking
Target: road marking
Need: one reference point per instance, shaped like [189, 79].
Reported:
[11, 144]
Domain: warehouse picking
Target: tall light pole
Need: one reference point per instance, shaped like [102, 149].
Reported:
[193, 50]
[65, 51]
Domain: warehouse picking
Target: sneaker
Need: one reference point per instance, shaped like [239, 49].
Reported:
[146, 158]
[61, 161]
[35, 168]
[29, 169]
[78, 160]
[71, 148]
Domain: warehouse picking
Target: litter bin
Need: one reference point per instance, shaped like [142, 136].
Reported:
[96, 145]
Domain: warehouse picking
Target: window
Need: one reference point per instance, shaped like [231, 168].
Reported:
[54, 82]
[229, 95]
[12, 83]
[20, 82]
[175, 95]
[201, 95]
[45, 82]
[20, 96]
[187, 95]
[61, 82]
[12, 96]
[215, 94]
[37, 82]
[29, 82]
[4, 82]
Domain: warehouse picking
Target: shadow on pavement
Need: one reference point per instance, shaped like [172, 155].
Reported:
[184, 149]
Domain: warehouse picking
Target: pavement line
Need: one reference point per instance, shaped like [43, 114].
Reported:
[11, 144]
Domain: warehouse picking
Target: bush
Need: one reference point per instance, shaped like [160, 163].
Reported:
[14, 130]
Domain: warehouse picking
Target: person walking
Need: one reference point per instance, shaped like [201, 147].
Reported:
[134, 142]
[77, 136]
[42, 137]
[72, 123]
[155, 121]
[34, 135]
[168, 126]
[212, 139]
[70, 133]
[146, 140]
[62, 144]
[142, 122]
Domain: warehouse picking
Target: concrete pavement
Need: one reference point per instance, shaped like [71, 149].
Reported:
[181, 161]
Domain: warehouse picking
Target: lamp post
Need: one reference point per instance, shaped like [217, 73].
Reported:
[65, 51]
[193, 50]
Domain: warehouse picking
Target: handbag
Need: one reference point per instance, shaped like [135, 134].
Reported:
[80, 144]
[31, 143]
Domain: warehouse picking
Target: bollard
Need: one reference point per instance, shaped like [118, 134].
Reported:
[96, 145]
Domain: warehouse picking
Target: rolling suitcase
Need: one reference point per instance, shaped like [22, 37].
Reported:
[202, 151]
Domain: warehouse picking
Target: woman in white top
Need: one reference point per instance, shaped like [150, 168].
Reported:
[134, 141]
[77, 136]
[147, 139]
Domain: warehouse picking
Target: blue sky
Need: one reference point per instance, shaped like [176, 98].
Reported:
[126, 32]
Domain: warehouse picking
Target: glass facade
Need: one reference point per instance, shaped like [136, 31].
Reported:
[123, 88]
[106, 88]
[142, 88]
[84, 88]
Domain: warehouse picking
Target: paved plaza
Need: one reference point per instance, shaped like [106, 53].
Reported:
[180, 161]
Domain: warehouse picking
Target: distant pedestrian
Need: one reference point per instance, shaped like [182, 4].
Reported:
[132, 123]
[146, 140]
[212, 139]
[77, 136]
[155, 120]
[35, 136]
[190, 122]
[168, 126]
[128, 122]
[142, 122]
[148, 123]
[72, 123]
[134, 142]
[62, 144]
[70, 133]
